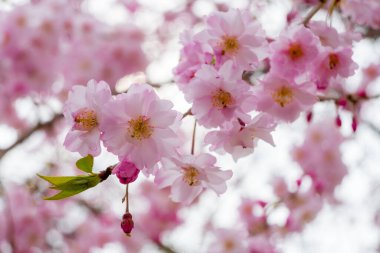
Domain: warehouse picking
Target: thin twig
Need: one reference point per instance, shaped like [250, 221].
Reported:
[193, 138]
[126, 200]
[165, 248]
[313, 12]
[27, 134]
[187, 113]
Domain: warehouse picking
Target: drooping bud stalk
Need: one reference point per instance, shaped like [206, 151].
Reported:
[127, 223]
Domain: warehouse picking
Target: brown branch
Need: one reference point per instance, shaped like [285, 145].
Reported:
[164, 248]
[30, 132]
[313, 12]
[193, 137]
[187, 113]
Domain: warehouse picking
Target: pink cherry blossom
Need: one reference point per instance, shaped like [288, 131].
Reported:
[320, 158]
[285, 98]
[333, 63]
[189, 176]
[293, 52]
[363, 12]
[83, 112]
[140, 127]
[193, 55]
[229, 241]
[218, 96]
[303, 208]
[235, 36]
[240, 138]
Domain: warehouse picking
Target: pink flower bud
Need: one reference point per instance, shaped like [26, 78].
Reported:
[126, 172]
[342, 102]
[338, 121]
[309, 116]
[362, 93]
[354, 124]
[127, 223]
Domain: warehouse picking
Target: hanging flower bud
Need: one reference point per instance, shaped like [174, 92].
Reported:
[354, 123]
[127, 223]
[126, 172]
[338, 121]
[309, 116]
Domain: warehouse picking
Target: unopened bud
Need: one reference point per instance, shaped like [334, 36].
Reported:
[127, 223]
[126, 172]
[354, 124]
[338, 121]
[309, 116]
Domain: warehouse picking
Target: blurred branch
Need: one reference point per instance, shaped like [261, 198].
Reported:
[372, 33]
[164, 248]
[311, 14]
[30, 132]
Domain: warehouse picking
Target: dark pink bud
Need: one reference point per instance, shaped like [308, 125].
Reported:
[309, 116]
[354, 124]
[342, 102]
[299, 182]
[127, 223]
[362, 94]
[126, 172]
[338, 121]
[291, 16]
[262, 203]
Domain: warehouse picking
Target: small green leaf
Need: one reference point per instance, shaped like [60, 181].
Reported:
[71, 185]
[80, 182]
[57, 180]
[85, 164]
[63, 195]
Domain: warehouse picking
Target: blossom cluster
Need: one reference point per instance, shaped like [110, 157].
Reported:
[46, 47]
[141, 130]
[241, 85]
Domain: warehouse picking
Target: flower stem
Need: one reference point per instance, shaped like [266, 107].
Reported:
[193, 138]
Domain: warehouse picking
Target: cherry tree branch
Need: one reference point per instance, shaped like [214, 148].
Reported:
[311, 14]
[30, 132]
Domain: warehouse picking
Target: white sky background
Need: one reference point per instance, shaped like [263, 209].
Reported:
[342, 229]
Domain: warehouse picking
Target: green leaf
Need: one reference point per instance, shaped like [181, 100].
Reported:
[57, 180]
[71, 185]
[85, 164]
[63, 195]
[80, 182]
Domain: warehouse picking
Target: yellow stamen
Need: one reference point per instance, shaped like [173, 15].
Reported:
[333, 61]
[230, 45]
[295, 51]
[190, 175]
[222, 99]
[283, 96]
[85, 119]
[139, 128]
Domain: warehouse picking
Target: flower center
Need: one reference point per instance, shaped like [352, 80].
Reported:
[190, 175]
[85, 119]
[222, 99]
[295, 51]
[283, 96]
[333, 61]
[230, 45]
[229, 245]
[139, 128]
